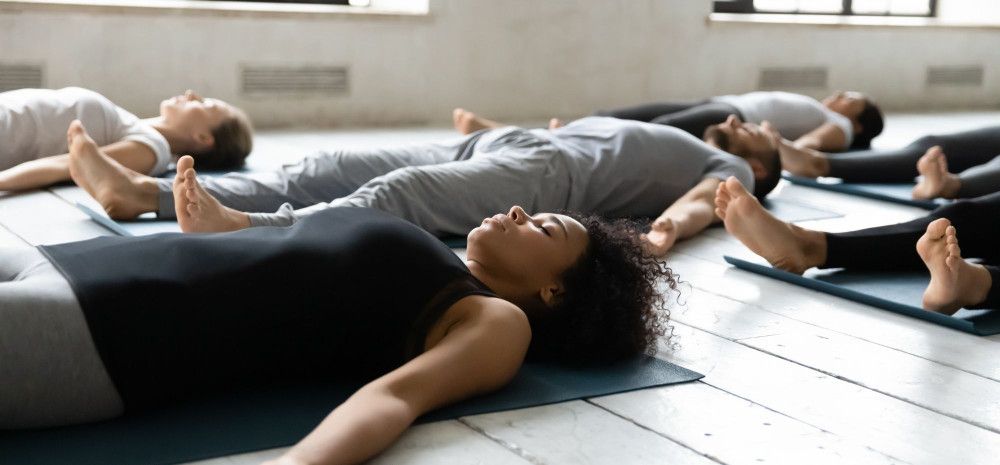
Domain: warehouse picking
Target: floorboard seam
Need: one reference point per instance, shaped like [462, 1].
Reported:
[644, 427]
[850, 381]
[776, 412]
[513, 448]
[758, 307]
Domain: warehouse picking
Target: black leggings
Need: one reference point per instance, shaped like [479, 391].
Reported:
[963, 150]
[691, 117]
[893, 247]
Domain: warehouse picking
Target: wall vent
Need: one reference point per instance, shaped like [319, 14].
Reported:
[955, 75]
[20, 76]
[309, 80]
[792, 78]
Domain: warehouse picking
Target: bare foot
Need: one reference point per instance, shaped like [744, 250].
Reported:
[955, 283]
[197, 210]
[466, 122]
[555, 123]
[802, 162]
[935, 179]
[783, 245]
[123, 193]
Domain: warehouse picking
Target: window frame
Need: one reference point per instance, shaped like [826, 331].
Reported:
[847, 9]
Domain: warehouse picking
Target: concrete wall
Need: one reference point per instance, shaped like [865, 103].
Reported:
[513, 59]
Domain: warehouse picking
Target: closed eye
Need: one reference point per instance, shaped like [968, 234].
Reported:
[546, 231]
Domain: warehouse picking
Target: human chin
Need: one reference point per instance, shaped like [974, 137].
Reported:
[168, 107]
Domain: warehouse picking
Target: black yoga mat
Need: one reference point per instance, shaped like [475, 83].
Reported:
[896, 291]
[279, 417]
[895, 193]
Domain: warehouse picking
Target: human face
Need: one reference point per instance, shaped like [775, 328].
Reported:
[190, 113]
[530, 251]
[743, 139]
[849, 104]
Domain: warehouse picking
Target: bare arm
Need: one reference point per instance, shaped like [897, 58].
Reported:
[481, 353]
[827, 138]
[50, 170]
[803, 161]
[690, 214]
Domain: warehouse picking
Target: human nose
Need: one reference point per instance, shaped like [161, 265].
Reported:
[518, 214]
[191, 95]
[733, 121]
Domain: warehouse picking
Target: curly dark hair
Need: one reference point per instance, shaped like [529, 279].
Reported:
[233, 141]
[611, 308]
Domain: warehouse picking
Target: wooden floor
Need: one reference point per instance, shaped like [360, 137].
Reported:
[791, 376]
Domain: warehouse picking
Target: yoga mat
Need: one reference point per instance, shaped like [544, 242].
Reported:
[149, 224]
[895, 193]
[144, 225]
[281, 416]
[898, 292]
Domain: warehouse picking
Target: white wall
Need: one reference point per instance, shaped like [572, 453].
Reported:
[513, 59]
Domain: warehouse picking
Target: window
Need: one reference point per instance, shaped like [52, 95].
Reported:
[322, 2]
[831, 7]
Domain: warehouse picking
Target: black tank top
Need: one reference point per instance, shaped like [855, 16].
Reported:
[344, 293]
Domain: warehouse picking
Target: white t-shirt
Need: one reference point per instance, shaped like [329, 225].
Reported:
[33, 124]
[793, 115]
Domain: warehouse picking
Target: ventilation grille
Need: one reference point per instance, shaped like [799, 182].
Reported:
[295, 80]
[19, 76]
[955, 76]
[795, 78]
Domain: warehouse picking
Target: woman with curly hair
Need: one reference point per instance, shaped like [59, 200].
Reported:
[96, 328]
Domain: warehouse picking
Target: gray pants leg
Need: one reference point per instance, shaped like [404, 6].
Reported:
[980, 180]
[516, 168]
[318, 178]
[50, 372]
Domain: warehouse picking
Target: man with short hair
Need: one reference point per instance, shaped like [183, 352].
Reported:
[606, 166]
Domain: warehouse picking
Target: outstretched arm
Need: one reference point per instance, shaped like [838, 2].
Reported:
[50, 170]
[827, 138]
[687, 216]
[480, 353]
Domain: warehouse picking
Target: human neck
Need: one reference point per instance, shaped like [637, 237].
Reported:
[502, 287]
[179, 144]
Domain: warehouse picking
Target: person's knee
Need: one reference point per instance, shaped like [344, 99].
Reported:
[927, 142]
[957, 212]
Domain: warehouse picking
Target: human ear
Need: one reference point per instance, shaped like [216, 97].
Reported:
[759, 171]
[204, 139]
[551, 294]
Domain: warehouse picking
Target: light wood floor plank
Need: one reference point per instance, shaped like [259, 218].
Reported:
[39, 217]
[582, 434]
[974, 354]
[735, 431]
[891, 426]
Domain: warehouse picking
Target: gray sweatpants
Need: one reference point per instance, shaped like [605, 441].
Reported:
[50, 372]
[445, 188]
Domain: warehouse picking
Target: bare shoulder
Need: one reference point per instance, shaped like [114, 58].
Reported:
[493, 313]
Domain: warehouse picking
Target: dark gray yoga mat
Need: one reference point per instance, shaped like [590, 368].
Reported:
[784, 210]
[895, 193]
[895, 291]
[279, 417]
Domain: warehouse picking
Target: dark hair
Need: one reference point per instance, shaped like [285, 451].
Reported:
[764, 186]
[771, 162]
[611, 308]
[233, 141]
[871, 122]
